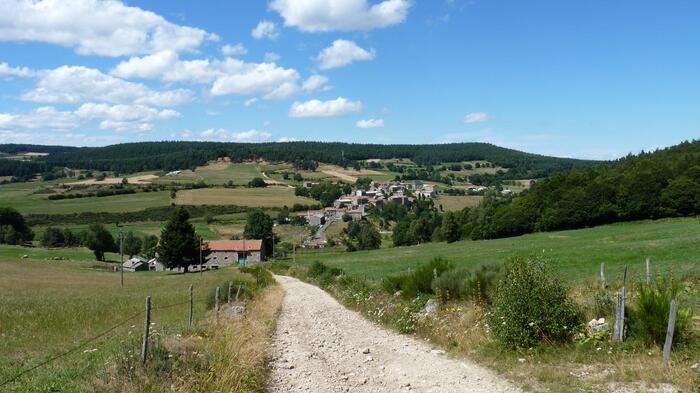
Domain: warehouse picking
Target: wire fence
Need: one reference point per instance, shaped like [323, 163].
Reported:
[118, 325]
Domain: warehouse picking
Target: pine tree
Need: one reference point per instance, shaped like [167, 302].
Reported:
[259, 226]
[179, 244]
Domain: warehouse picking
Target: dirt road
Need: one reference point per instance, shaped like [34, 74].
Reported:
[320, 346]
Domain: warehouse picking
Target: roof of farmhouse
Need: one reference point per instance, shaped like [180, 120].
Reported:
[234, 245]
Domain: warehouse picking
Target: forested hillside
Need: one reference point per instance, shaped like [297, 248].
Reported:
[135, 157]
[665, 183]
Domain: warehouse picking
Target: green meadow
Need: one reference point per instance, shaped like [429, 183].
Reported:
[49, 307]
[672, 245]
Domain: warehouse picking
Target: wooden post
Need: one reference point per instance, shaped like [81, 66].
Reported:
[669, 332]
[217, 300]
[238, 292]
[648, 263]
[146, 328]
[121, 256]
[189, 322]
[602, 275]
[228, 299]
[619, 327]
[624, 278]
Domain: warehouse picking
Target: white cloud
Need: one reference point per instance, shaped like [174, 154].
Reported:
[340, 15]
[342, 53]
[6, 70]
[370, 123]
[228, 76]
[476, 117]
[265, 29]
[267, 79]
[45, 117]
[234, 50]
[250, 101]
[315, 108]
[125, 117]
[117, 117]
[314, 82]
[107, 28]
[76, 84]
[287, 139]
[223, 134]
[271, 57]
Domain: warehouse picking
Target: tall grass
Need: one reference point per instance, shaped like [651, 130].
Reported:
[649, 321]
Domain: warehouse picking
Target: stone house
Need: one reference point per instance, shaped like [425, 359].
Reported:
[233, 252]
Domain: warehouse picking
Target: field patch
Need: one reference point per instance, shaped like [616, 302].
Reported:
[251, 197]
[142, 179]
[458, 202]
[219, 172]
[38, 204]
[350, 175]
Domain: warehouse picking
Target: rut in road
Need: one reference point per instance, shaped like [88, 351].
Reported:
[320, 346]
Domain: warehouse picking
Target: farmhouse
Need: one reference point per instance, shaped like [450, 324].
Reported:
[135, 264]
[155, 265]
[233, 252]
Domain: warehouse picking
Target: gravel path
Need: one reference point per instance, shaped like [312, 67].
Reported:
[320, 346]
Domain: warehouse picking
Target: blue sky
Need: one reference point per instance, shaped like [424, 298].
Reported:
[589, 79]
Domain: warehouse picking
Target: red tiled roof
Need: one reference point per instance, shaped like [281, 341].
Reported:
[234, 245]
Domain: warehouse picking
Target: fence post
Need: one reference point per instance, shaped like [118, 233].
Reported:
[228, 299]
[218, 302]
[602, 275]
[146, 328]
[648, 263]
[619, 327]
[189, 322]
[669, 332]
[238, 292]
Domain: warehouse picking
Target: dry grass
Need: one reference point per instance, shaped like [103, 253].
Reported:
[239, 350]
[143, 179]
[349, 174]
[251, 197]
[458, 202]
[218, 165]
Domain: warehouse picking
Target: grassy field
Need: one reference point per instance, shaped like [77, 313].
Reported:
[48, 307]
[139, 228]
[22, 197]
[251, 197]
[671, 244]
[218, 173]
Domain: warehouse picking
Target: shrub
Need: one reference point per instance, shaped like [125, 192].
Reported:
[323, 274]
[317, 268]
[531, 306]
[451, 284]
[463, 284]
[649, 321]
[603, 304]
[481, 284]
[418, 281]
[262, 276]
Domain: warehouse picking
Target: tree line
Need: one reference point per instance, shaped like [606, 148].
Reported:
[664, 183]
[137, 157]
